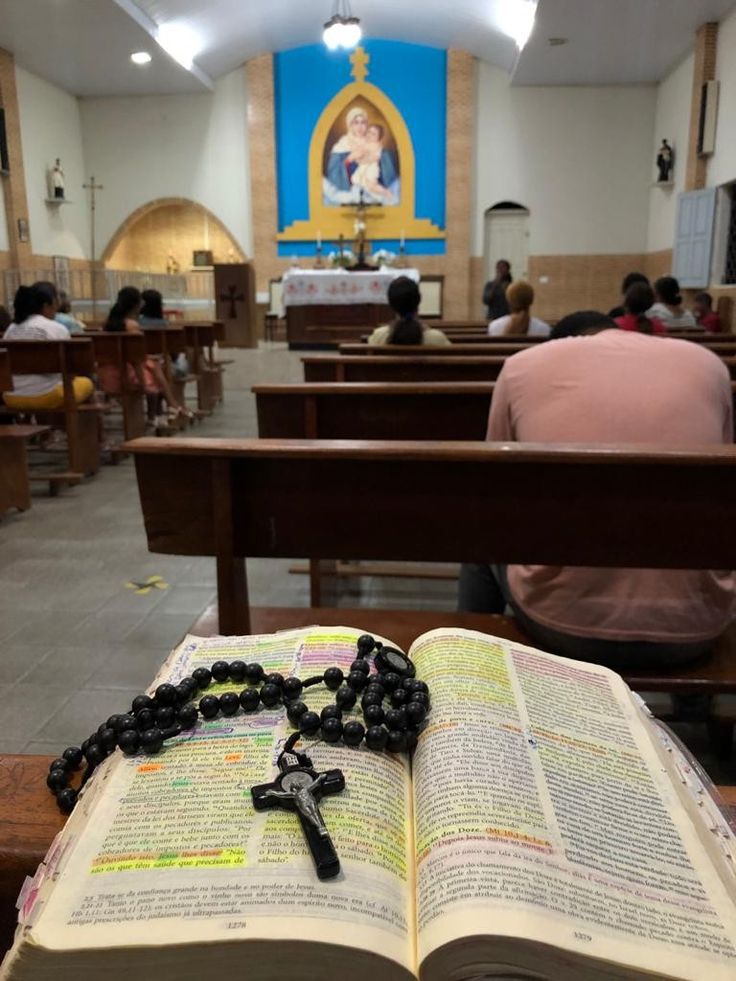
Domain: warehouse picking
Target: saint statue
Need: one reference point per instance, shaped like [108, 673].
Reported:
[665, 162]
[172, 264]
[57, 180]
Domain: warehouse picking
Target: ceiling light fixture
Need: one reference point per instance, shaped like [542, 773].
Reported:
[180, 42]
[342, 30]
[140, 57]
[516, 19]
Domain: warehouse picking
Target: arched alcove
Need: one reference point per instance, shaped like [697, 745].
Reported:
[506, 236]
[169, 227]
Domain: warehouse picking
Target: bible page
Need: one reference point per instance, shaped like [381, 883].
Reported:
[170, 849]
[543, 811]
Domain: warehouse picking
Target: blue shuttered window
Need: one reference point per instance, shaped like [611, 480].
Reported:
[694, 238]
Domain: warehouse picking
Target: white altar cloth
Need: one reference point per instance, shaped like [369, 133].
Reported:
[309, 287]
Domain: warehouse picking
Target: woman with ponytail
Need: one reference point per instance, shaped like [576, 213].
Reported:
[638, 308]
[36, 393]
[669, 308]
[404, 299]
[519, 323]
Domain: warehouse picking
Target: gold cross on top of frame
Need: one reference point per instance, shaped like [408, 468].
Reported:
[360, 60]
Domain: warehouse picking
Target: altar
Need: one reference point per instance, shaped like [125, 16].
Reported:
[326, 307]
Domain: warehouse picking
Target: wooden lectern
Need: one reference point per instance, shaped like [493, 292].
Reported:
[235, 303]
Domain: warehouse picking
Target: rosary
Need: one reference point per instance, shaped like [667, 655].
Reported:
[298, 787]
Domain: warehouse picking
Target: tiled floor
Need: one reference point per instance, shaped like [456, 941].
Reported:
[76, 644]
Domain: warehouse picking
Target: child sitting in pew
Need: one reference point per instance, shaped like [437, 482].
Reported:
[638, 300]
[150, 376]
[152, 315]
[610, 386]
[404, 298]
[34, 310]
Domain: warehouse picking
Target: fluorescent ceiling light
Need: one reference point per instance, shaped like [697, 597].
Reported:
[516, 19]
[180, 42]
[140, 57]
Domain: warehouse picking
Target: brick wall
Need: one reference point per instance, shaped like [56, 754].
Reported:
[706, 51]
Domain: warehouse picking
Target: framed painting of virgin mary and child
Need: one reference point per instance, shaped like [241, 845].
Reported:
[360, 160]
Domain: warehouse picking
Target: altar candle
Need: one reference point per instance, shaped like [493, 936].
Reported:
[403, 243]
[319, 239]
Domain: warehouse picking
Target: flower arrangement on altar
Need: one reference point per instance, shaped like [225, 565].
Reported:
[384, 257]
[340, 259]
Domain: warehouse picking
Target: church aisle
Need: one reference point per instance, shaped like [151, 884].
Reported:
[76, 643]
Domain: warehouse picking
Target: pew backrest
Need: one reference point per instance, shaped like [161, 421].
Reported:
[382, 368]
[6, 375]
[72, 357]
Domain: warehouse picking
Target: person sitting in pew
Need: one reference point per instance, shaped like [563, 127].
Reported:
[123, 316]
[65, 316]
[518, 323]
[638, 303]
[629, 280]
[668, 307]
[42, 392]
[610, 386]
[152, 315]
[404, 298]
[705, 315]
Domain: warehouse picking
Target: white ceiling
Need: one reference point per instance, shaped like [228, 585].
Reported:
[84, 46]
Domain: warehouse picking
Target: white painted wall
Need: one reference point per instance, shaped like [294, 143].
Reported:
[672, 122]
[579, 158]
[722, 165]
[188, 146]
[50, 127]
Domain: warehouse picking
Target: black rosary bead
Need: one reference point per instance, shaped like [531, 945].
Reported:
[129, 742]
[396, 742]
[165, 695]
[365, 644]
[209, 706]
[396, 718]
[220, 671]
[331, 712]
[152, 740]
[331, 729]
[187, 716]
[333, 678]
[254, 673]
[74, 756]
[94, 754]
[414, 684]
[360, 664]
[61, 764]
[345, 697]
[399, 697]
[370, 698]
[275, 679]
[203, 676]
[141, 702]
[292, 688]
[357, 680]
[145, 718]
[185, 691]
[229, 703]
[57, 780]
[66, 799]
[373, 714]
[375, 689]
[352, 733]
[294, 710]
[270, 695]
[419, 696]
[309, 723]
[237, 670]
[115, 722]
[107, 739]
[129, 721]
[376, 737]
[250, 699]
[390, 680]
[165, 716]
[415, 713]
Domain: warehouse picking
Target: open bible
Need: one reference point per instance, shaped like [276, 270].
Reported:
[544, 828]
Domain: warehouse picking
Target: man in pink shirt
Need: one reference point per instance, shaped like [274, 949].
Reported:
[611, 386]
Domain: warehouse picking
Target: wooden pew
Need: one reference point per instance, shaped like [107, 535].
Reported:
[200, 338]
[15, 488]
[359, 368]
[6, 375]
[431, 410]
[80, 422]
[464, 350]
[120, 349]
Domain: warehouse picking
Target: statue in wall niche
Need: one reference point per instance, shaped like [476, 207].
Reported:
[57, 180]
[172, 264]
[665, 163]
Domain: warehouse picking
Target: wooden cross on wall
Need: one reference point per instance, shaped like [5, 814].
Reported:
[233, 297]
